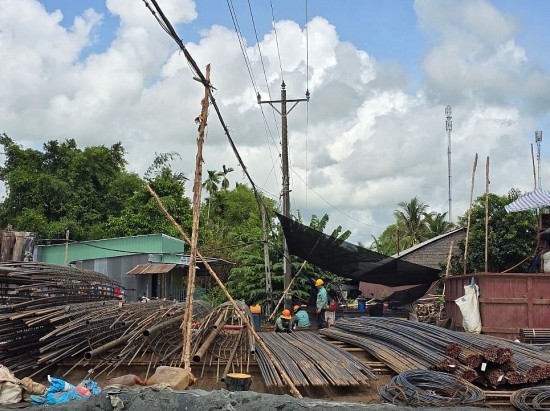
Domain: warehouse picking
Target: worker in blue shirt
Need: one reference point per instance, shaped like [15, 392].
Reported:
[301, 318]
[322, 303]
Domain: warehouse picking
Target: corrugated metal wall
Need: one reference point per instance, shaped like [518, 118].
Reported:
[117, 267]
[507, 301]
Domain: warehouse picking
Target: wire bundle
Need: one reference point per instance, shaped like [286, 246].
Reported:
[532, 398]
[417, 388]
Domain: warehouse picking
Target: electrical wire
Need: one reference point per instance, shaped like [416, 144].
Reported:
[333, 206]
[276, 40]
[251, 74]
[241, 44]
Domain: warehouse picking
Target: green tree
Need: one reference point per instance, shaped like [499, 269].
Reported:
[386, 243]
[437, 224]
[211, 186]
[225, 182]
[141, 213]
[512, 236]
[63, 187]
[411, 222]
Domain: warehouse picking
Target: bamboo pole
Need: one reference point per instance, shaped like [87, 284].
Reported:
[469, 216]
[293, 390]
[449, 259]
[487, 182]
[188, 314]
[285, 292]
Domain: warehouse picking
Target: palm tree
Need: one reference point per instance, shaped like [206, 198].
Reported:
[411, 222]
[224, 173]
[211, 186]
[437, 224]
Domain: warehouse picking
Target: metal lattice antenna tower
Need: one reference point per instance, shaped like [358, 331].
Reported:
[538, 140]
[449, 128]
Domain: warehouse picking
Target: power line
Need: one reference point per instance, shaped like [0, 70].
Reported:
[333, 206]
[276, 40]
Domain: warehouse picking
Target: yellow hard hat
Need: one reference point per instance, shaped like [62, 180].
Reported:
[319, 282]
[286, 315]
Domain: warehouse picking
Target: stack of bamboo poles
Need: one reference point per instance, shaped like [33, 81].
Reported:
[311, 361]
[405, 345]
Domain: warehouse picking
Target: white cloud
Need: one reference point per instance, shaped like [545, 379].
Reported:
[367, 143]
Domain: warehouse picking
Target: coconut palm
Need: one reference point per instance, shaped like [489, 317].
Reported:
[211, 186]
[437, 224]
[411, 222]
[224, 173]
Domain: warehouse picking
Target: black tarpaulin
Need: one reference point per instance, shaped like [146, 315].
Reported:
[351, 261]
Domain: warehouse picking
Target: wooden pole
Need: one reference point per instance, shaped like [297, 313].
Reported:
[66, 247]
[285, 292]
[293, 390]
[188, 313]
[469, 215]
[487, 182]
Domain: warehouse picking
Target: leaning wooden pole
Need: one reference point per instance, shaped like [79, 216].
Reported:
[188, 313]
[293, 390]
[469, 216]
[487, 182]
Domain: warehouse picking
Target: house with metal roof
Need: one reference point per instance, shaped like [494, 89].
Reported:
[155, 264]
[430, 253]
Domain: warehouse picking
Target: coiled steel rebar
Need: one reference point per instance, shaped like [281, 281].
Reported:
[418, 388]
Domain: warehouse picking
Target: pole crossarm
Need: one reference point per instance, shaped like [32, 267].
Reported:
[286, 183]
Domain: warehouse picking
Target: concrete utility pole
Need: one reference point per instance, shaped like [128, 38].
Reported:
[538, 140]
[449, 128]
[286, 185]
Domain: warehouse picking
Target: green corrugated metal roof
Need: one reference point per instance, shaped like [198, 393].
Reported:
[111, 247]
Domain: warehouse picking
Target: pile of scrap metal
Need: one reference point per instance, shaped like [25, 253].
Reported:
[52, 314]
[407, 345]
[310, 361]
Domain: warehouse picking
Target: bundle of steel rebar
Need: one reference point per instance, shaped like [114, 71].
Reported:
[310, 361]
[107, 333]
[532, 398]
[423, 388]
[432, 347]
[534, 335]
[222, 339]
[39, 285]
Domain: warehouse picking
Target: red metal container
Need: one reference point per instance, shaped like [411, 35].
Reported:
[507, 301]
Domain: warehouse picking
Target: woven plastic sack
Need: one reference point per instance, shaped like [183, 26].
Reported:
[469, 307]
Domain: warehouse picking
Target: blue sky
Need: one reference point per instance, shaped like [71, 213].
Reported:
[380, 76]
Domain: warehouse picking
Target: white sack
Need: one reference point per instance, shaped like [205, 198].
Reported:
[469, 307]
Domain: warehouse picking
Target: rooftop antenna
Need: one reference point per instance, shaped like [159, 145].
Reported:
[538, 140]
[449, 128]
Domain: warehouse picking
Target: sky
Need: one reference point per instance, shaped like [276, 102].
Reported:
[380, 74]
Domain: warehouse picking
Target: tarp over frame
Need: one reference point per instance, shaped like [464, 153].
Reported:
[352, 261]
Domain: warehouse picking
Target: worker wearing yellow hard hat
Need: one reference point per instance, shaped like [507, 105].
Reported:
[284, 322]
[321, 303]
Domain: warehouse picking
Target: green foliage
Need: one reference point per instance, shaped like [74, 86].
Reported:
[512, 236]
[87, 192]
[413, 225]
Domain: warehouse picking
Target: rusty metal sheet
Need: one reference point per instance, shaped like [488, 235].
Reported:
[508, 301]
[151, 269]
